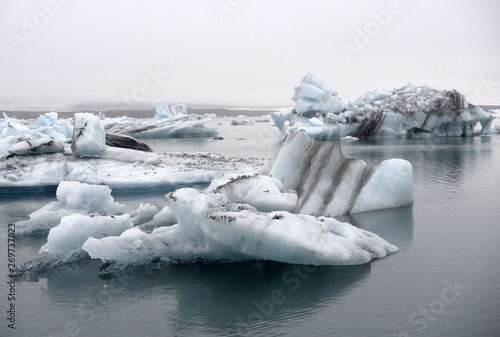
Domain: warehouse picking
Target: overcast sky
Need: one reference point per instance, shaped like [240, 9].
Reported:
[59, 54]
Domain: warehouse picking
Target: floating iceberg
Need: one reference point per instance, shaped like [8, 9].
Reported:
[410, 111]
[329, 183]
[89, 137]
[72, 197]
[241, 120]
[169, 122]
[213, 229]
[164, 111]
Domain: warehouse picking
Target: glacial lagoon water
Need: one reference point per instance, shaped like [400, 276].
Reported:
[444, 281]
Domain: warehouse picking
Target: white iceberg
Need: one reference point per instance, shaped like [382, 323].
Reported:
[410, 111]
[329, 183]
[241, 120]
[164, 111]
[72, 197]
[89, 137]
[213, 229]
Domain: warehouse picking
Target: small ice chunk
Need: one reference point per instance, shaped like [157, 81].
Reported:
[72, 197]
[89, 137]
[47, 119]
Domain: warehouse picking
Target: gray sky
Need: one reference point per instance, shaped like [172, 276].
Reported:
[58, 54]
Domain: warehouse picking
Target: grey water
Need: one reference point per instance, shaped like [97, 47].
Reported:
[443, 281]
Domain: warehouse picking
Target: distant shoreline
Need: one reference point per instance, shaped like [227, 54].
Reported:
[150, 113]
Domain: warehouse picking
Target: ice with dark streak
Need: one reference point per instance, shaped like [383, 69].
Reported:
[328, 183]
[409, 111]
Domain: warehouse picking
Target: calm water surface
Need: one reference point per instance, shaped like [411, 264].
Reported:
[444, 281]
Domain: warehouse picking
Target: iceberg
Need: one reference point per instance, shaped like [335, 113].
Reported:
[72, 198]
[330, 184]
[163, 111]
[212, 229]
[89, 137]
[241, 120]
[409, 111]
[169, 122]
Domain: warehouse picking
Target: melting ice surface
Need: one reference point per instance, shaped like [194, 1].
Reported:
[211, 228]
[412, 111]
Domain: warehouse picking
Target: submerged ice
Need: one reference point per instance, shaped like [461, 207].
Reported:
[411, 111]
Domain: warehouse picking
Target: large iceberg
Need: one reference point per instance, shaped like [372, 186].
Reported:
[411, 111]
[212, 229]
[329, 183]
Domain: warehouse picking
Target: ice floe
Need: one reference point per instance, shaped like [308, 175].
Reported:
[212, 229]
[408, 110]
